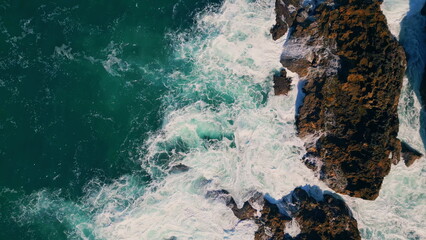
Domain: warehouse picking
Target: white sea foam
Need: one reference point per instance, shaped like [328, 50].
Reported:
[113, 64]
[395, 10]
[231, 135]
[234, 135]
[292, 228]
[64, 51]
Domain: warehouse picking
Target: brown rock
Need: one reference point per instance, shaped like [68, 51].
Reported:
[409, 154]
[271, 223]
[353, 68]
[282, 84]
[244, 213]
[396, 154]
[286, 12]
[329, 218]
[324, 219]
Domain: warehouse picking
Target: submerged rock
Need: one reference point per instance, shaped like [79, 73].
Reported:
[301, 216]
[179, 168]
[353, 68]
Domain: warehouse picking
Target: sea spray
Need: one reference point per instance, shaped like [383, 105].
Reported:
[223, 122]
[232, 132]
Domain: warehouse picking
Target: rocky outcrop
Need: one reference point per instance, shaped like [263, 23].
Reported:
[409, 154]
[353, 68]
[282, 83]
[327, 218]
[286, 11]
[299, 215]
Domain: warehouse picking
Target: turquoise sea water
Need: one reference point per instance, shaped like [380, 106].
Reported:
[100, 99]
[80, 85]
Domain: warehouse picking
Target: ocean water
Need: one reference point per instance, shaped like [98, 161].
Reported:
[102, 100]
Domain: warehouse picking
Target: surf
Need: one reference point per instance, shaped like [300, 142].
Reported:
[222, 121]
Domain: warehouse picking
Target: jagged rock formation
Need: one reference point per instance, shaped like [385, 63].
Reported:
[328, 218]
[409, 154]
[353, 68]
[298, 214]
[286, 11]
[282, 84]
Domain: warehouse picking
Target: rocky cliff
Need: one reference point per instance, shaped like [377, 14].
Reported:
[353, 68]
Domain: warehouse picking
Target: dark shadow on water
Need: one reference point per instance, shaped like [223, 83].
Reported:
[413, 39]
[300, 95]
[286, 203]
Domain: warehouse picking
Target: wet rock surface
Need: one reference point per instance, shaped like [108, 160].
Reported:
[299, 215]
[286, 11]
[353, 68]
[409, 154]
[282, 83]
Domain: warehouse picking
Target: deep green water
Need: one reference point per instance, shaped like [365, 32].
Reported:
[100, 99]
[80, 88]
